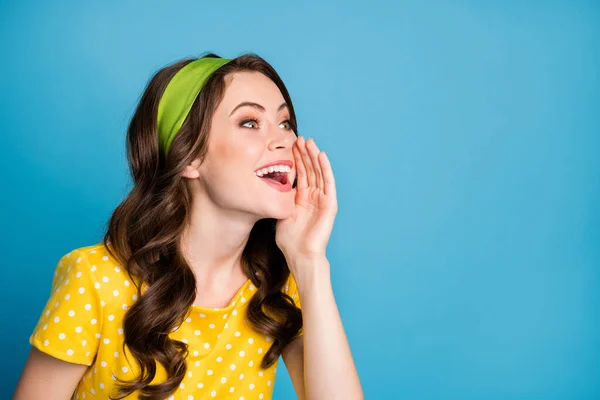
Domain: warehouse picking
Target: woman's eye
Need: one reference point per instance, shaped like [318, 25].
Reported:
[243, 124]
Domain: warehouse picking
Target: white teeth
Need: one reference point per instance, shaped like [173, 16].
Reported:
[274, 168]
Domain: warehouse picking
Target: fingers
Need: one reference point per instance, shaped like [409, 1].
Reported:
[313, 152]
[300, 170]
[309, 173]
[329, 180]
[313, 166]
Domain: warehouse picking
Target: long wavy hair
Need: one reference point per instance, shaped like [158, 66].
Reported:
[145, 230]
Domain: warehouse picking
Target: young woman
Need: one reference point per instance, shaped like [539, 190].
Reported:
[215, 263]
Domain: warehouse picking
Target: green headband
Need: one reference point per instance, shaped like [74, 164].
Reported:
[179, 95]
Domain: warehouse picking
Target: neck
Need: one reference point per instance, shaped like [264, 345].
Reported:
[214, 240]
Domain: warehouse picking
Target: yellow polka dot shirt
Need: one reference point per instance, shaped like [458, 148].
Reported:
[83, 323]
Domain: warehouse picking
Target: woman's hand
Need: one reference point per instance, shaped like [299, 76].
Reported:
[304, 235]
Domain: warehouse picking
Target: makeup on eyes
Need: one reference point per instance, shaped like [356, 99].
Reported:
[245, 120]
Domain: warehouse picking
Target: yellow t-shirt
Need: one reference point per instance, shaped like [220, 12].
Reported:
[83, 318]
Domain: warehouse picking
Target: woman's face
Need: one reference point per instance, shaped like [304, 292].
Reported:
[242, 139]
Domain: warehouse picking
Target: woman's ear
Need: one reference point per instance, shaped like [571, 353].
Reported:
[192, 170]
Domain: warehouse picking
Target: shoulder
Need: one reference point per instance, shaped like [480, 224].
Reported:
[96, 255]
[92, 261]
[72, 319]
[90, 289]
[94, 267]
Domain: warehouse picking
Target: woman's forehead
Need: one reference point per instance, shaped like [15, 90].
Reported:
[251, 87]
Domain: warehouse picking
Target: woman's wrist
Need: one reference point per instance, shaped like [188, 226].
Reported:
[310, 271]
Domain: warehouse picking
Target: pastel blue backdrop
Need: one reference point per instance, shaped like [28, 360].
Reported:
[464, 137]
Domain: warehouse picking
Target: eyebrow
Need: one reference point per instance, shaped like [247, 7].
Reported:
[256, 105]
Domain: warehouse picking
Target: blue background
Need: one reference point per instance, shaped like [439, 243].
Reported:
[464, 137]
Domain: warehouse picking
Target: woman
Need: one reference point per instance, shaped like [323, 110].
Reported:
[198, 285]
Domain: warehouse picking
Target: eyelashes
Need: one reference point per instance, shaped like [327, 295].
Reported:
[258, 121]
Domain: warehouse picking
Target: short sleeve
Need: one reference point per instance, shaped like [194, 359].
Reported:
[70, 325]
[291, 289]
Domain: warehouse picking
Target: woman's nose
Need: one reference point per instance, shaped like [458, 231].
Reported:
[281, 139]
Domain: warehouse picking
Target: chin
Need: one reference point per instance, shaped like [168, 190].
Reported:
[279, 212]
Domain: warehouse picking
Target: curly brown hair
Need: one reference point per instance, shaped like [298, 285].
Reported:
[145, 230]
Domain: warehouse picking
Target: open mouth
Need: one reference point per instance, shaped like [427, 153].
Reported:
[276, 177]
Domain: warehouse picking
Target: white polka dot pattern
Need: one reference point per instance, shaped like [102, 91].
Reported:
[71, 312]
[82, 323]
